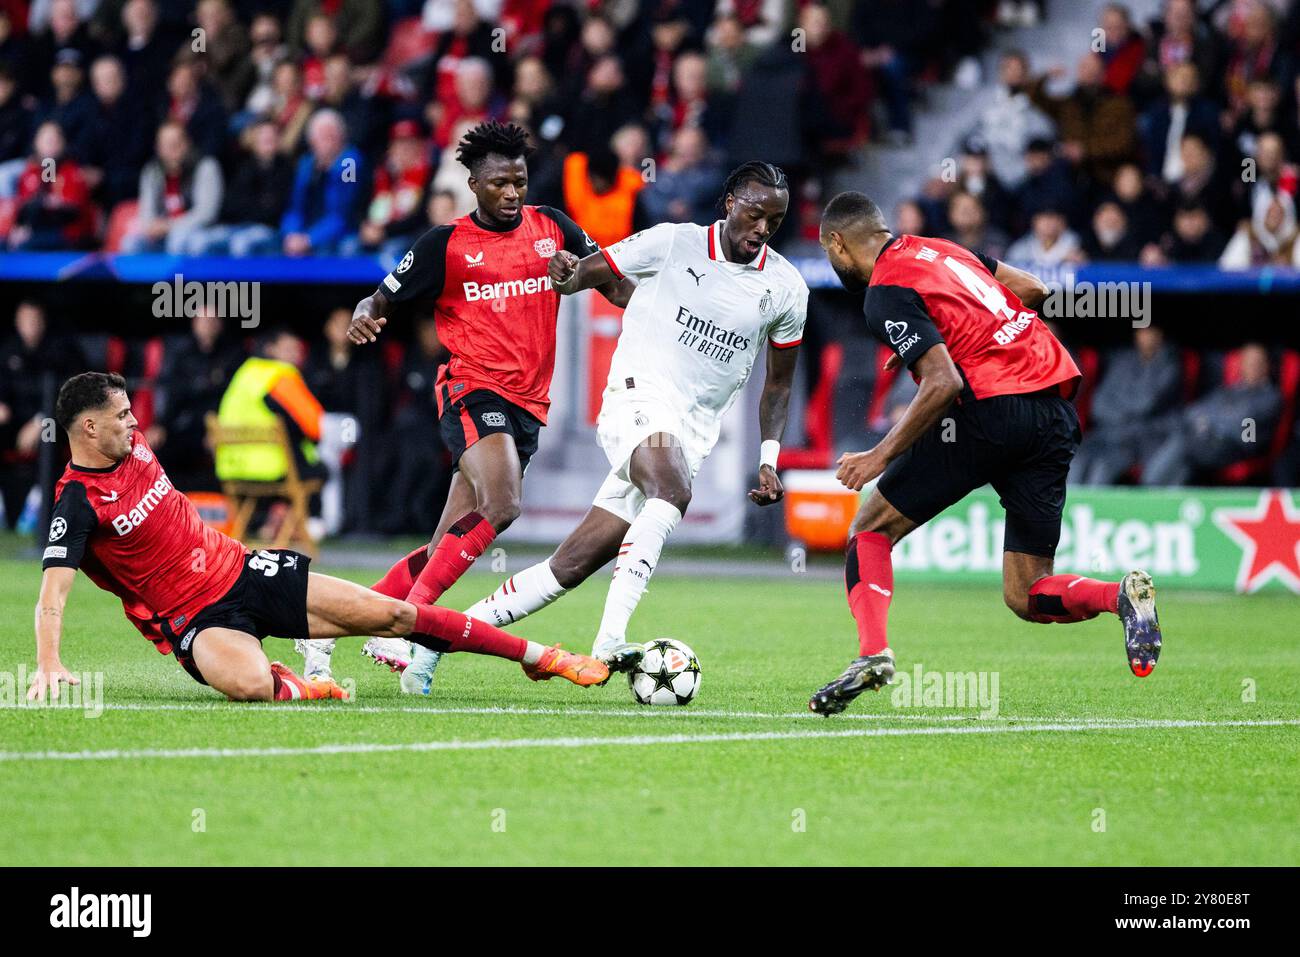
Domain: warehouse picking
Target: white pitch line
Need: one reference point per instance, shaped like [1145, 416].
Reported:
[492, 744]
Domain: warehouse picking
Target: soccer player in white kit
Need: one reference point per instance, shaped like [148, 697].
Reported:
[710, 301]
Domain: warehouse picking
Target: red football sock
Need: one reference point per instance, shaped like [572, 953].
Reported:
[869, 579]
[287, 686]
[464, 542]
[1071, 598]
[399, 579]
[443, 629]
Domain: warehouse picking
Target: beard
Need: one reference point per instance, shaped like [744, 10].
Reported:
[848, 280]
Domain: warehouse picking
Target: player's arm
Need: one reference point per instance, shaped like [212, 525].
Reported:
[419, 275]
[570, 275]
[940, 385]
[1028, 288]
[577, 245]
[773, 412]
[56, 584]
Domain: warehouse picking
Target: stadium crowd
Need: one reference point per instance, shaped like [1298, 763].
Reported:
[1171, 142]
[300, 127]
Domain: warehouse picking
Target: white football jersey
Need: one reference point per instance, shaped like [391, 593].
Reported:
[696, 323]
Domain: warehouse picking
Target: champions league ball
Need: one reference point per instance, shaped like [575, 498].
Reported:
[668, 674]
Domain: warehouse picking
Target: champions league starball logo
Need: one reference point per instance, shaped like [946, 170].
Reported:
[405, 264]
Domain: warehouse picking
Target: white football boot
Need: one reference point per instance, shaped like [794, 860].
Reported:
[395, 653]
[418, 676]
[316, 657]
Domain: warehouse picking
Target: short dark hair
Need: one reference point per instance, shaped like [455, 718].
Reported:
[90, 390]
[501, 139]
[765, 174]
[853, 210]
[269, 336]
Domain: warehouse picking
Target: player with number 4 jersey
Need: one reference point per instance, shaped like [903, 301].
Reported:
[993, 407]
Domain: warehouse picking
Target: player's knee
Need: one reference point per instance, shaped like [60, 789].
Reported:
[570, 571]
[676, 494]
[500, 512]
[251, 684]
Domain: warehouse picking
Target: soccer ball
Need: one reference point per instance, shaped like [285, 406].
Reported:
[668, 674]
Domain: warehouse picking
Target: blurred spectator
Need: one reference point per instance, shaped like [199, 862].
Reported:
[340, 93]
[267, 52]
[1233, 422]
[690, 104]
[909, 219]
[1254, 53]
[893, 35]
[396, 216]
[441, 208]
[1195, 238]
[289, 107]
[1137, 393]
[1097, 128]
[600, 195]
[1048, 184]
[450, 176]
[320, 42]
[533, 102]
[69, 104]
[193, 103]
[1049, 248]
[1146, 218]
[1263, 114]
[731, 55]
[1110, 239]
[1268, 238]
[227, 50]
[324, 203]
[1181, 110]
[1273, 174]
[652, 79]
[968, 225]
[840, 79]
[66, 32]
[119, 135]
[975, 176]
[54, 206]
[686, 185]
[1125, 49]
[471, 102]
[1010, 121]
[255, 202]
[180, 194]
[1179, 37]
[1208, 183]
[189, 387]
[31, 360]
[761, 20]
[146, 50]
[604, 106]
[413, 457]
[15, 119]
[359, 25]
[469, 37]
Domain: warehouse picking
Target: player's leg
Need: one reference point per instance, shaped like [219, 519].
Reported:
[1033, 495]
[659, 471]
[336, 608]
[592, 544]
[233, 663]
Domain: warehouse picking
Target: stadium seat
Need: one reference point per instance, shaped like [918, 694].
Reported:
[1089, 360]
[120, 221]
[144, 398]
[884, 381]
[245, 496]
[816, 453]
[1288, 381]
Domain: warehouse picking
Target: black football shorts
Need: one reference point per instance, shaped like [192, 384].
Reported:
[483, 412]
[1022, 445]
[268, 598]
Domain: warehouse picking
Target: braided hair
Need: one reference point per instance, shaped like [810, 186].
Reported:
[492, 138]
[765, 174]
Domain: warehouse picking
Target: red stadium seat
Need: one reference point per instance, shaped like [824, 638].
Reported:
[408, 41]
[120, 222]
[884, 382]
[1089, 362]
[816, 453]
[1288, 381]
[144, 397]
[1191, 374]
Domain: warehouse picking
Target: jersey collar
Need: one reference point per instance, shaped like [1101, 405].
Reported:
[716, 254]
[493, 228]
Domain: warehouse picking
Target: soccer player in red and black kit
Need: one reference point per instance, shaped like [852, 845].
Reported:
[993, 406]
[200, 594]
[485, 277]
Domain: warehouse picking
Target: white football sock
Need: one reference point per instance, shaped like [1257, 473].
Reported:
[519, 596]
[645, 540]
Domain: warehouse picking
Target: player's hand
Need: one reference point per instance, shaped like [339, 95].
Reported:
[365, 327]
[770, 490]
[893, 362]
[562, 268]
[50, 677]
[856, 469]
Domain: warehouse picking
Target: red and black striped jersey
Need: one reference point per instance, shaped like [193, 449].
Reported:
[492, 300]
[927, 291]
[135, 535]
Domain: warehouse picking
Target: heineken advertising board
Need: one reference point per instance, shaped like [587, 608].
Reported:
[1239, 539]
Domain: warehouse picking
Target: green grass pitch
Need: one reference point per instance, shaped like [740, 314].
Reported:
[1180, 768]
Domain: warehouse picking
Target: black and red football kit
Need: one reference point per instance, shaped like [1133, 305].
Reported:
[135, 535]
[1013, 425]
[495, 310]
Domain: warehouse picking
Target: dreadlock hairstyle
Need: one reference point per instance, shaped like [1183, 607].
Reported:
[500, 139]
[765, 174]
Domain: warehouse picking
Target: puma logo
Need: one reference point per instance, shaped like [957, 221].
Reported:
[696, 276]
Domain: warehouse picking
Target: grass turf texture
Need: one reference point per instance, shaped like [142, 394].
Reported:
[1171, 795]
